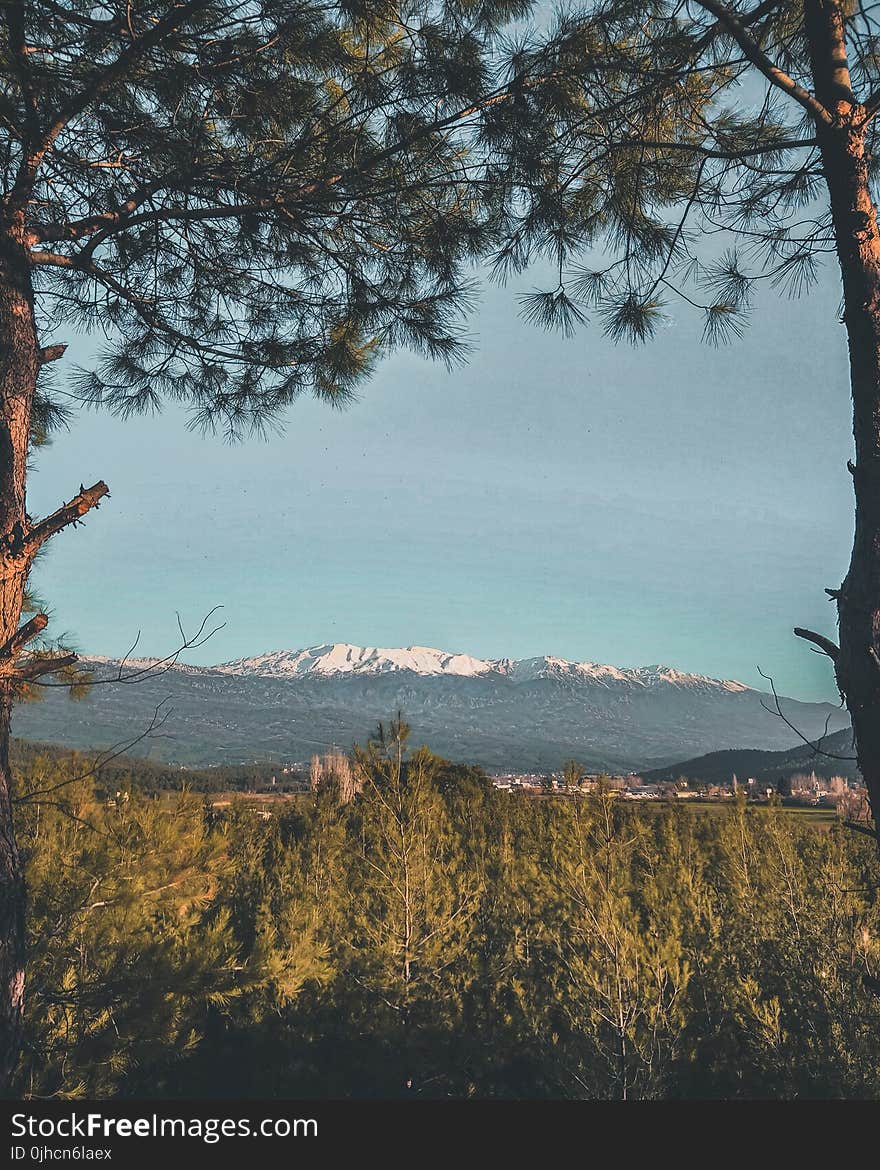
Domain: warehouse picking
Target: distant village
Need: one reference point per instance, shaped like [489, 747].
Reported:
[802, 789]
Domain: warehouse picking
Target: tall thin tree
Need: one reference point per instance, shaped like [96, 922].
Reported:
[640, 135]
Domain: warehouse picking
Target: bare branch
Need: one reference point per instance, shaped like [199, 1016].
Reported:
[153, 668]
[814, 744]
[70, 513]
[709, 152]
[157, 721]
[825, 644]
[27, 633]
[51, 353]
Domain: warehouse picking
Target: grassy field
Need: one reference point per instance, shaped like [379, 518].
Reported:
[820, 818]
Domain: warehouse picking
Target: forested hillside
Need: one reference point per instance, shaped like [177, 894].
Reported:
[833, 755]
[110, 770]
[408, 931]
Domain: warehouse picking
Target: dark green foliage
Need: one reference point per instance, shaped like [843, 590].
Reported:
[434, 937]
[249, 201]
[833, 755]
[255, 201]
[110, 771]
[657, 164]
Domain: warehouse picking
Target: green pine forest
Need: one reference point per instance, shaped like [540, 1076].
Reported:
[409, 931]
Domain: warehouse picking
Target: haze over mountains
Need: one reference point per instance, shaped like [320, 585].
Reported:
[503, 713]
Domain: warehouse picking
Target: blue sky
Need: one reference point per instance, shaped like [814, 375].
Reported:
[673, 503]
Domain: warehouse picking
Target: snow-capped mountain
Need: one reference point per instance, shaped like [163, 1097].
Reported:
[341, 658]
[529, 714]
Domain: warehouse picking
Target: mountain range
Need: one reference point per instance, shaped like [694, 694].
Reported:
[343, 659]
[526, 714]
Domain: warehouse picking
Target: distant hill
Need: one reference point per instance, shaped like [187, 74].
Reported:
[527, 714]
[718, 767]
[152, 776]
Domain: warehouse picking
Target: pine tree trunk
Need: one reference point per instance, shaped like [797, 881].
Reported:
[854, 216]
[858, 601]
[12, 923]
[19, 363]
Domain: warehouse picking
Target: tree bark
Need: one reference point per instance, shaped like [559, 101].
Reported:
[845, 161]
[19, 364]
[12, 917]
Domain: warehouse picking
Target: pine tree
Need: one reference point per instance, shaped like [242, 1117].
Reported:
[789, 1013]
[573, 774]
[251, 202]
[621, 971]
[471, 944]
[414, 897]
[643, 137]
[128, 945]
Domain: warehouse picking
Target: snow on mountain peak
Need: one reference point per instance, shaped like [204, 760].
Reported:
[342, 658]
[654, 675]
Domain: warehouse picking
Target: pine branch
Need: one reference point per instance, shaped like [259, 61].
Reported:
[754, 53]
[115, 72]
[36, 668]
[710, 152]
[44, 233]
